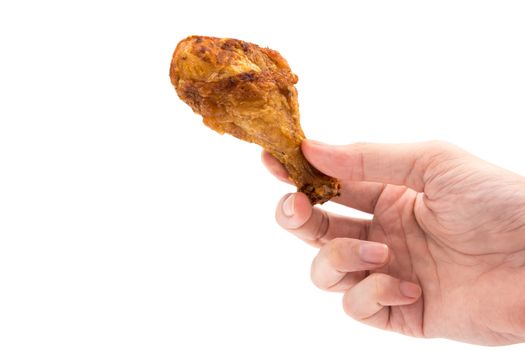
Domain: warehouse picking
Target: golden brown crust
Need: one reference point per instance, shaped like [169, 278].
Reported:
[248, 91]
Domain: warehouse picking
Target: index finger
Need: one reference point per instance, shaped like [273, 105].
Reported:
[409, 164]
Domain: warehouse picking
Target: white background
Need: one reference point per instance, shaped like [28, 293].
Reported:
[126, 224]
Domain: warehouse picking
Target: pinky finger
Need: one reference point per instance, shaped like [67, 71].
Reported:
[368, 300]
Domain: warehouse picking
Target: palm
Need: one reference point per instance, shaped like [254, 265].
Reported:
[461, 265]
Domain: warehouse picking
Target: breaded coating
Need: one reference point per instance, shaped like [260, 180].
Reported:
[247, 91]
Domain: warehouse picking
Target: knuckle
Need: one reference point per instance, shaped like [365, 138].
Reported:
[358, 154]
[356, 151]
[279, 212]
[322, 229]
[348, 309]
[316, 276]
[438, 157]
[336, 252]
[350, 305]
[380, 282]
[320, 284]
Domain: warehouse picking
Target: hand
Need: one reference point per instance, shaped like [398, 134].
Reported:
[443, 255]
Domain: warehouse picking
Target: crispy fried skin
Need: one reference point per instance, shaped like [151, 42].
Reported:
[248, 91]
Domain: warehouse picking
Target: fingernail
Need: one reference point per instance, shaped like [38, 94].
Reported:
[409, 289]
[288, 205]
[375, 253]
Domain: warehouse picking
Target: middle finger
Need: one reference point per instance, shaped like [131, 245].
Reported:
[316, 226]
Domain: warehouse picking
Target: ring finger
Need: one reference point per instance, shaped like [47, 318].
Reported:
[343, 262]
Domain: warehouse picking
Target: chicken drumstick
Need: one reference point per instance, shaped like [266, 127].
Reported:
[247, 91]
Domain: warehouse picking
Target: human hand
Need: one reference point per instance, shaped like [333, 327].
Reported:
[450, 227]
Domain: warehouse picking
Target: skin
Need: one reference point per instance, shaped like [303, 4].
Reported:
[443, 255]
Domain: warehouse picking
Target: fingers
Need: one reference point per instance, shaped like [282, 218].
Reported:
[333, 267]
[366, 301]
[362, 196]
[398, 164]
[358, 195]
[313, 225]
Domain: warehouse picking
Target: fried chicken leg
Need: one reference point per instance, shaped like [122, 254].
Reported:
[247, 91]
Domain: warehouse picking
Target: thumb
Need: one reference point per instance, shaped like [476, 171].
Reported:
[409, 164]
